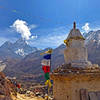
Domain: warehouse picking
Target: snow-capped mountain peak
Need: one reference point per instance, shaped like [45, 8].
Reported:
[20, 48]
[92, 36]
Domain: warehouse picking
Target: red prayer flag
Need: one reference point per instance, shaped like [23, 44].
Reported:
[46, 69]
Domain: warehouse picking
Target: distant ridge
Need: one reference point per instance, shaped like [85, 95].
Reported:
[31, 63]
[19, 49]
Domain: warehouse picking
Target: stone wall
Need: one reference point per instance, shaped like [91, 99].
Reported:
[75, 54]
[68, 87]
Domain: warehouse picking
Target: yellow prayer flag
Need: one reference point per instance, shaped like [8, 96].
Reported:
[48, 83]
[49, 52]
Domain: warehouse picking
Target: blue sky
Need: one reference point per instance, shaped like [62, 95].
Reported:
[48, 20]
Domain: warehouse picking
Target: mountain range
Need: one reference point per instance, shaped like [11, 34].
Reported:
[30, 63]
[19, 49]
[93, 46]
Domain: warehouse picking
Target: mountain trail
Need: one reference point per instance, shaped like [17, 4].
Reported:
[23, 97]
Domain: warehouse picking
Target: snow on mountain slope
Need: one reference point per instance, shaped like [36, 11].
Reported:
[18, 49]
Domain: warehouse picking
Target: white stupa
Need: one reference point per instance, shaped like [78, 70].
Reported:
[76, 52]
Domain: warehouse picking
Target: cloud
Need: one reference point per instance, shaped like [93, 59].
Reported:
[22, 27]
[56, 40]
[32, 26]
[49, 41]
[33, 37]
[51, 38]
[86, 27]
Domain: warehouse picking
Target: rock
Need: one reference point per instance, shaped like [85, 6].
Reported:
[5, 93]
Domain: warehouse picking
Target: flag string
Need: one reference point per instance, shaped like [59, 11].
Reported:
[46, 67]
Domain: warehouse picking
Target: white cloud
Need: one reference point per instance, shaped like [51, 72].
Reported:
[32, 26]
[50, 41]
[86, 27]
[33, 37]
[22, 27]
[56, 40]
[52, 38]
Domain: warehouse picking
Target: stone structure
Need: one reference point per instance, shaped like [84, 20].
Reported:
[77, 79]
[76, 53]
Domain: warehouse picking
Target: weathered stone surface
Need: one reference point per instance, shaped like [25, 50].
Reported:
[76, 55]
[67, 86]
[4, 88]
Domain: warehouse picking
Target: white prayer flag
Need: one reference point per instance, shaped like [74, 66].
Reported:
[45, 62]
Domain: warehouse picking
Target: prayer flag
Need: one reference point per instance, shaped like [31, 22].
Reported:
[49, 52]
[47, 76]
[48, 82]
[48, 56]
[45, 62]
[46, 69]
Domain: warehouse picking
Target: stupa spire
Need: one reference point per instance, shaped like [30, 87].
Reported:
[74, 25]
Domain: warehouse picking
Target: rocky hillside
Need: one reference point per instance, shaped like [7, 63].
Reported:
[5, 88]
[31, 64]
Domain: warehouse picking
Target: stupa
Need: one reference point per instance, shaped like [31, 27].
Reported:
[76, 52]
[77, 79]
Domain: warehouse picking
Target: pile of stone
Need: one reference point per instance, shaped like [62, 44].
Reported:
[67, 68]
[5, 90]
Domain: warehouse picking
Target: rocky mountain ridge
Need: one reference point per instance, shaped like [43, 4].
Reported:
[19, 49]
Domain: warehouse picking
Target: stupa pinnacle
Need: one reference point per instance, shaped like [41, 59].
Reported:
[74, 25]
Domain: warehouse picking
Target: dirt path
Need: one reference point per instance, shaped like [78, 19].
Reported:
[23, 97]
